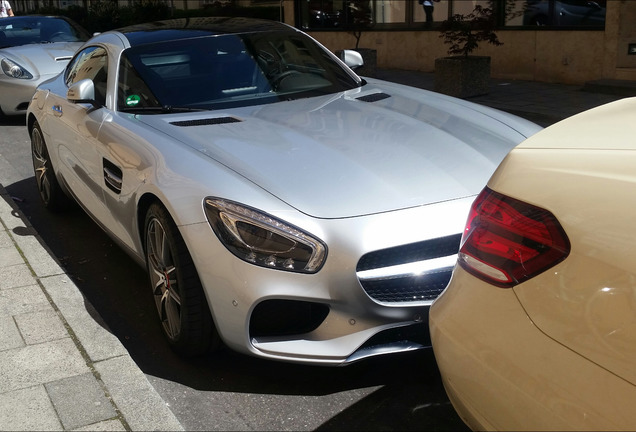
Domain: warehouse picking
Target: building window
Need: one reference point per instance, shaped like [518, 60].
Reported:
[411, 14]
[564, 13]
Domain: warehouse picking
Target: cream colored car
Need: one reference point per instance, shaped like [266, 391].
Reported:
[537, 328]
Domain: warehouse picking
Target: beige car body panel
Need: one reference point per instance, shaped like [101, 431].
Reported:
[559, 350]
[502, 373]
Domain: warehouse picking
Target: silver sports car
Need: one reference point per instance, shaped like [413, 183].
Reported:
[281, 204]
[33, 49]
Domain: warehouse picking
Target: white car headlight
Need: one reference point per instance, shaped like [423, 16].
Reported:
[14, 70]
[263, 240]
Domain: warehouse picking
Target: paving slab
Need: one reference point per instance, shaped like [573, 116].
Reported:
[80, 401]
[42, 326]
[22, 300]
[104, 426]
[10, 337]
[38, 364]
[9, 256]
[5, 240]
[14, 276]
[28, 409]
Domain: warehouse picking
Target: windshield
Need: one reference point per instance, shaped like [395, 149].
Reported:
[229, 70]
[16, 31]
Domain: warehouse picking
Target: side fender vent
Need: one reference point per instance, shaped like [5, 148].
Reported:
[206, 122]
[373, 97]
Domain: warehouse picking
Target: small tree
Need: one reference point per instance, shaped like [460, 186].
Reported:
[464, 32]
[359, 17]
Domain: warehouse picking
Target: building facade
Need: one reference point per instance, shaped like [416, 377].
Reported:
[564, 41]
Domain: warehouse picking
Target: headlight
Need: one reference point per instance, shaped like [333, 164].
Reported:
[14, 70]
[263, 240]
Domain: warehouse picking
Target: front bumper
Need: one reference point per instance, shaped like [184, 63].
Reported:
[502, 373]
[335, 316]
[15, 94]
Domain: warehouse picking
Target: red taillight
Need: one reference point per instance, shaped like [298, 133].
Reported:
[507, 241]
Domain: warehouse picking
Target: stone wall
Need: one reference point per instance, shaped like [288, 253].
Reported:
[571, 57]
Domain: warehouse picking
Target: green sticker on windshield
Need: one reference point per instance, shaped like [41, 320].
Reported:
[132, 100]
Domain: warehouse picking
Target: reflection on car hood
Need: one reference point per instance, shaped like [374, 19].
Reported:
[342, 156]
[42, 59]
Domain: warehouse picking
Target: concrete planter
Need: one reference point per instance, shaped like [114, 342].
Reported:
[462, 76]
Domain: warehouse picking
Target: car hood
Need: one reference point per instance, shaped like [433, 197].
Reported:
[365, 151]
[42, 59]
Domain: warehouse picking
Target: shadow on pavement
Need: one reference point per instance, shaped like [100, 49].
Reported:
[18, 120]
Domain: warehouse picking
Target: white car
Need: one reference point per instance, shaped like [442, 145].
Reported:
[33, 49]
[281, 204]
[537, 327]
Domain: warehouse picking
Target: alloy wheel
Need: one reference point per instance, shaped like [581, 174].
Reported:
[41, 165]
[163, 278]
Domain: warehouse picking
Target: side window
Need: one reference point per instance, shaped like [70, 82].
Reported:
[133, 92]
[91, 63]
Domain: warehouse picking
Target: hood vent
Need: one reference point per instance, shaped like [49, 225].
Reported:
[63, 58]
[374, 97]
[206, 122]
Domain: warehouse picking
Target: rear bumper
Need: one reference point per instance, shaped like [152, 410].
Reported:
[502, 373]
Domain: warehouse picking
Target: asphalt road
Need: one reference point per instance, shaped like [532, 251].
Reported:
[224, 391]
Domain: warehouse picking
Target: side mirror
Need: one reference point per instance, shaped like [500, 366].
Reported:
[352, 58]
[83, 91]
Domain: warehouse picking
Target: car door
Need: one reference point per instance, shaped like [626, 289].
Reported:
[74, 128]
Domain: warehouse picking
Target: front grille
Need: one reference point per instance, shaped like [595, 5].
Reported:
[417, 272]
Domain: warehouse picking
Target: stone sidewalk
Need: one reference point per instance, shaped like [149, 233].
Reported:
[60, 367]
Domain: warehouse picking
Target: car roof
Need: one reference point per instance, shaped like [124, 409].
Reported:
[185, 28]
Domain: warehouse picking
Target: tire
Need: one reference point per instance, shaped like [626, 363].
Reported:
[183, 311]
[50, 191]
